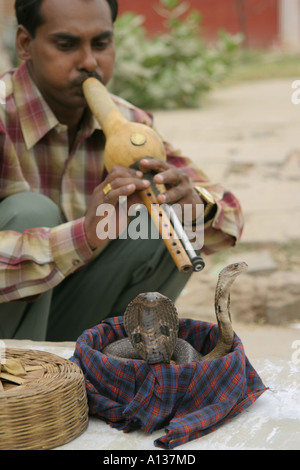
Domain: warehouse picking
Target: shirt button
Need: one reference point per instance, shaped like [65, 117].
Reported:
[76, 262]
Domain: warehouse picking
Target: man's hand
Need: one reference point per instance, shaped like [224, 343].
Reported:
[123, 182]
[126, 182]
[179, 188]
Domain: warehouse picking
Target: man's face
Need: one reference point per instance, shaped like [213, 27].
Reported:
[75, 39]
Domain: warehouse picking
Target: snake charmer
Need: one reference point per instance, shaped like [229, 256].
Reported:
[57, 277]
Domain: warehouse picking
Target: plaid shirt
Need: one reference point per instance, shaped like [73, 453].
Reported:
[35, 156]
[189, 400]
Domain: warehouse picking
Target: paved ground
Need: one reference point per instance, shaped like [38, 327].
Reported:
[247, 137]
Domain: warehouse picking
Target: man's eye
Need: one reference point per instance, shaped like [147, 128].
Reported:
[65, 45]
[101, 45]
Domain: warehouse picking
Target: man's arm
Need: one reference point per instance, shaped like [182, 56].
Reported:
[225, 227]
[38, 259]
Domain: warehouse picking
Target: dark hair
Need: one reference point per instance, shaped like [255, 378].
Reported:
[28, 13]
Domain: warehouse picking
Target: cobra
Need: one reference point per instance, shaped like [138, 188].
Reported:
[151, 324]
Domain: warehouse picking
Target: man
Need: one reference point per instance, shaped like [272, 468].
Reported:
[57, 277]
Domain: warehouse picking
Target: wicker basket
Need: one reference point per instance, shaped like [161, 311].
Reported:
[49, 409]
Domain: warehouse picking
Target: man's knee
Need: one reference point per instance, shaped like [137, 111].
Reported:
[28, 210]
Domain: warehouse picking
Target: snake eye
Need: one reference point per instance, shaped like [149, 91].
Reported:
[164, 330]
[236, 265]
[137, 338]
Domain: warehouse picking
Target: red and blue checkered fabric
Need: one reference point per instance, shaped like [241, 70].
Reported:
[188, 400]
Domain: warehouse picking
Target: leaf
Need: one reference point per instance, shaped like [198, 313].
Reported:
[13, 367]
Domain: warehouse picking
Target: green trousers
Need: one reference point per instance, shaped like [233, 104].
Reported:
[103, 288]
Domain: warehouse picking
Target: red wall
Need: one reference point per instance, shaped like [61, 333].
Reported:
[260, 23]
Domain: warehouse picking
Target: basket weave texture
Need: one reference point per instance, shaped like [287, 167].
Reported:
[49, 409]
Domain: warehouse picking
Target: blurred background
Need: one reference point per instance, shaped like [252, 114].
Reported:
[171, 52]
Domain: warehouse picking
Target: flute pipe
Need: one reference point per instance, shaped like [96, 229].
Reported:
[196, 259]
[179, 230]
[179, 233]
[166, 231]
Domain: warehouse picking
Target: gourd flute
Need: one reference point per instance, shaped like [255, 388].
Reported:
[126, 144]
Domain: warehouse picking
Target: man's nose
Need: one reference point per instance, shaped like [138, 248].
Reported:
[88, 60]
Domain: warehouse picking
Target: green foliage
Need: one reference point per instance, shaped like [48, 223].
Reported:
[174, 69]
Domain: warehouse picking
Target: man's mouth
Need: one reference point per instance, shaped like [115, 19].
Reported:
[78, 81]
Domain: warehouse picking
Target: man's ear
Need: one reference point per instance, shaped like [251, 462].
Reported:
[23, 43]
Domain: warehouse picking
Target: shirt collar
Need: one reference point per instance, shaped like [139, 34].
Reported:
[36, 117]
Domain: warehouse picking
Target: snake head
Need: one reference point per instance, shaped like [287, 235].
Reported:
[232, 270]
[151, 324]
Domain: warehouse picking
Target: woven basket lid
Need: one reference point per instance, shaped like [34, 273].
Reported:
[48, 408]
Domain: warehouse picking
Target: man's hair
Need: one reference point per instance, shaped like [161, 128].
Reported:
[29, 15]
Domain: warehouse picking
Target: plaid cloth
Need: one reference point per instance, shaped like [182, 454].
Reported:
[188, 400]
[35, 157]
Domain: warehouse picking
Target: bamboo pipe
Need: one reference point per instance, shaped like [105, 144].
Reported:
[126, 144]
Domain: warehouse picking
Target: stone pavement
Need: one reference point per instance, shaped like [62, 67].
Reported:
[247, 137]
